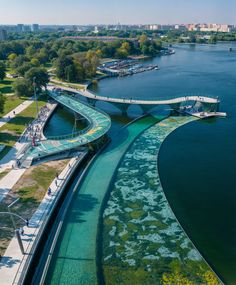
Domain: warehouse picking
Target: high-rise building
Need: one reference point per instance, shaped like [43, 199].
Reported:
[35, 28]
[26, 28]
[3, 35]
[20, 28]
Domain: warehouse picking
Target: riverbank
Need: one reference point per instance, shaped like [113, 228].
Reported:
[13, 262]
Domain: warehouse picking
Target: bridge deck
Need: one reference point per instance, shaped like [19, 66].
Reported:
[89, 94]
[99, 124]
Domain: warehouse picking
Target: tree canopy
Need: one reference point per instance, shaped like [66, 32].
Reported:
[2, 70]
[39, 76]
[2, 102]
[23, 87]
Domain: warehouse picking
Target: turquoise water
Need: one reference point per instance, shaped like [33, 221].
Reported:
[197, 164]
[200, 156]
[143, 242]
[74, 259]
[62, 123]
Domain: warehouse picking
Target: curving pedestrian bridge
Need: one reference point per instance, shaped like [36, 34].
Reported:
[98, 125]
[172, 101]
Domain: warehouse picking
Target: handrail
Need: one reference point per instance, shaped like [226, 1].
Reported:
[68, 136]
[76, 99]
[183, 98]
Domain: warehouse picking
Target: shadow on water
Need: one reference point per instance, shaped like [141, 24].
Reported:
[84, 203]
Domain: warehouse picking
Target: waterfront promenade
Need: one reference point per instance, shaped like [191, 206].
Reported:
[13, 261]
[8, 162]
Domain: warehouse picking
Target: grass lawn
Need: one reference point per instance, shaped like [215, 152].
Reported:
[31, 189]
[6, 85]
[67, 84]
[11, 131]
[12, 102]
[4, 173]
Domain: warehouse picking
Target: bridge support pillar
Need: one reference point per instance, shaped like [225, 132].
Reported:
[92, 102]
[122, 107]
[175, 107]
[146, 108]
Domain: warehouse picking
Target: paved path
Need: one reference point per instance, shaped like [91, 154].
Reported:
[12, 263]
[9, 180]
[5, 119]
[8, 161]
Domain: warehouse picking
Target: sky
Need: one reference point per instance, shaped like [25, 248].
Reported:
[81, 12]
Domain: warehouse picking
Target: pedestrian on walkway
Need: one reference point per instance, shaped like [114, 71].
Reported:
[27, 222]
[22, 231]
[49, 191]
[57, 175]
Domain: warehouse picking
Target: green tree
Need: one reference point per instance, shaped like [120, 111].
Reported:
[2, 70]
[23, 87]
[39, 76]
[71, 73]
[12, 56]
[19, 61]
[61, 63]
[21, 70]
[2, 102]
[35, 62]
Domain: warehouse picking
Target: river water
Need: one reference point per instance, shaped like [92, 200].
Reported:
[197, 161]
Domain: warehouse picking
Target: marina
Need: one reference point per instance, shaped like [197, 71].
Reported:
[125, 67]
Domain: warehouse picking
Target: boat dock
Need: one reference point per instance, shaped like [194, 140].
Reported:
[206, 115]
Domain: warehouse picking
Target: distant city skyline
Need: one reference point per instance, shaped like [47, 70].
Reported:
[80, 12]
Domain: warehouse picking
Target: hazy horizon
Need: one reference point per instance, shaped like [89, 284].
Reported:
[78, 12]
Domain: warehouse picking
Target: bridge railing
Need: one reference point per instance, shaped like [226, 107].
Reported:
[69, 136]
[84, 103]
[133, 100]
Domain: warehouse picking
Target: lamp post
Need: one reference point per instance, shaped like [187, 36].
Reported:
[14, 225]
[35, 96]
[9, 210]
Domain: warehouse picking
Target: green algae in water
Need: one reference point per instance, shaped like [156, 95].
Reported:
[142, 241]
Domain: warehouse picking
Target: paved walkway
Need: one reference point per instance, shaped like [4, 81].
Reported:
[9, 180]
[5, 119]
[12, 263]
[176, 100]
[9, 160]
